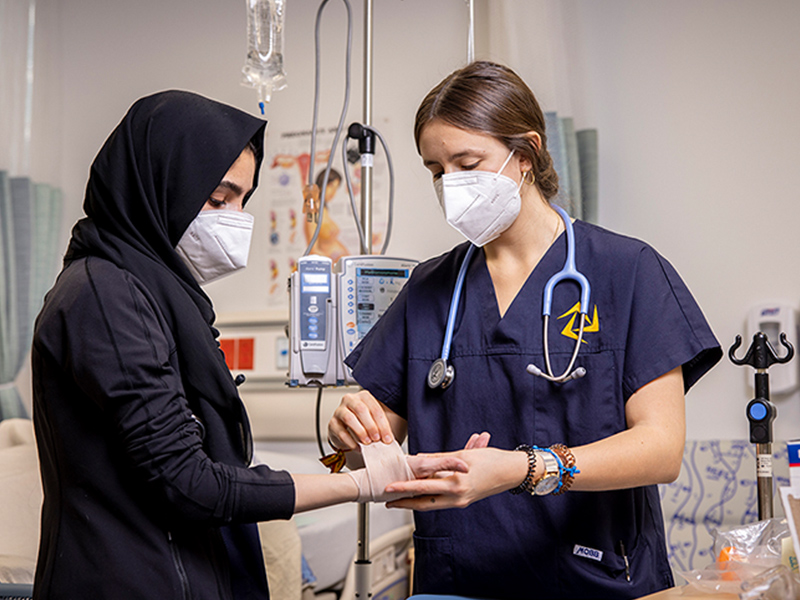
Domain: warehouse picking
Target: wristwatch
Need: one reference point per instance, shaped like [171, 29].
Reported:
[549, 481]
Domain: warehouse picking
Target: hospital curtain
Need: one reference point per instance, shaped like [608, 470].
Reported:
[30, 215]
[532, 37]
[30, 211]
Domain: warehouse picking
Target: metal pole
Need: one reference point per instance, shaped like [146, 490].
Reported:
[764, 480]
[764, 473]
[471, 33]
[366, 159]
[363, 566]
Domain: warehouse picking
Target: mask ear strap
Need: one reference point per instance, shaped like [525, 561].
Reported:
[505, 164]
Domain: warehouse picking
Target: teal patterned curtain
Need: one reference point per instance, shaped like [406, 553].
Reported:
[30, 211]
[30, 215]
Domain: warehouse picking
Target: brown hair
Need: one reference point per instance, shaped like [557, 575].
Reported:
[492, 99]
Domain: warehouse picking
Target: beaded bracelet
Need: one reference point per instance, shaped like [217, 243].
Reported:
[567, 459]
[527, 483]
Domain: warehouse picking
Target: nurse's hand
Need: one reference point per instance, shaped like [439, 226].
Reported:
[490, 471]
[361, 418]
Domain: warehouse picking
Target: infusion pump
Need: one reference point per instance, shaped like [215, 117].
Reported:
[332, 308]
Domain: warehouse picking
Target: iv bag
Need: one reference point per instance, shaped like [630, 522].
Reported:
[263, 67]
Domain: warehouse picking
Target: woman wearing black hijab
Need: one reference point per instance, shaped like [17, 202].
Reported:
[144, 442]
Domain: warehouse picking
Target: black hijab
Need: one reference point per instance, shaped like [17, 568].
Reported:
[147, 184]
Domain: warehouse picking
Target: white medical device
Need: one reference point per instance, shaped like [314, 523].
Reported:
[312, 328]
[367, 286]
[772, 319]
[333, 309]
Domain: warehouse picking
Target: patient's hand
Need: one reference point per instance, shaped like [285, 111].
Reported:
[386, 463]
[489, 471]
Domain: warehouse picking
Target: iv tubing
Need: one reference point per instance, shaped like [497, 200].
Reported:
[353, 207]
[471, 34]
[339, 128]
[389, 220]
[364, 240]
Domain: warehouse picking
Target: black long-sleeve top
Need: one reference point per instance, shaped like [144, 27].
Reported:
[134, 506]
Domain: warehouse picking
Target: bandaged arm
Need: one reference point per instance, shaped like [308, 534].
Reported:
[383, 464]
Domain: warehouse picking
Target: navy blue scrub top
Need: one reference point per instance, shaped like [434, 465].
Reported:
[644, 323]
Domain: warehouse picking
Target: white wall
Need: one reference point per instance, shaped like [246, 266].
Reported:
[696, 103]
[694, 100]
[116, 51]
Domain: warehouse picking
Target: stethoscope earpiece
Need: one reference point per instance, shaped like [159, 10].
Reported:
[533, 370]
[576, 374]
[440, 374]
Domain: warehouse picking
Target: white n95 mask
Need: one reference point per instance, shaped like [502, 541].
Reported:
[479, 204]
[216, 243]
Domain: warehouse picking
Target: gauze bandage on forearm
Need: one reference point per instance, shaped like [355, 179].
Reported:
[383, 464]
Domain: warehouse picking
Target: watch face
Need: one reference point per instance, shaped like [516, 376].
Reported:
[546, 485]
[552, 475]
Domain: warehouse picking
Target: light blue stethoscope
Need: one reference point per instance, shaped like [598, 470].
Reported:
[441, 373]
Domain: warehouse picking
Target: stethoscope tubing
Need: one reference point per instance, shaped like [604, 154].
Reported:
[567, 272]
[451, 315]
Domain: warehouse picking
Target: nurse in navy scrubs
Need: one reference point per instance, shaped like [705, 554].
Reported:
[606, 439]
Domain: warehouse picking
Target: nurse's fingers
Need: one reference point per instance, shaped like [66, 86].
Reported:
[432, 486]
[360, 418]
[428, 494]
[427, 465]
[423, 503]
[339, 438]
[338, 432]
[384, 432]
[478, 440]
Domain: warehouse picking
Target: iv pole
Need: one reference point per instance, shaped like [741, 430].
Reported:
[761, 412]
[367, 158]
[363, 565]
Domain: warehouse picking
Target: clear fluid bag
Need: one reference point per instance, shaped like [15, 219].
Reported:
[263, 67]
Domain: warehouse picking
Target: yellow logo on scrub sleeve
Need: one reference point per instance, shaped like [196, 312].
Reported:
[571, 328]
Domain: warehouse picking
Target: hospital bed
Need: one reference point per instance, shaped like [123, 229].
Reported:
[16, 591]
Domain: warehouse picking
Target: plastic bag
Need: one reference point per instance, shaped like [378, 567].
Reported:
[755, 543]
[263, 67]
[778, 583]
[743, 554]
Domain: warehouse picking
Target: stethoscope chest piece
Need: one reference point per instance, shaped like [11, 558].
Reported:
[440, 374]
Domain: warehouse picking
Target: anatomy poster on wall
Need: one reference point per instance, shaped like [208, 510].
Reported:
[285, 174]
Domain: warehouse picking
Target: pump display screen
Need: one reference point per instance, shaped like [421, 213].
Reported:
[375, 290]
[367, 286]
[315, 283]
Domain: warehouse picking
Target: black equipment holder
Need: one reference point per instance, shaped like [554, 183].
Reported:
[761, 412]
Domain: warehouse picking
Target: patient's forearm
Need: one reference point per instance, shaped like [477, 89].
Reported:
[316, 491]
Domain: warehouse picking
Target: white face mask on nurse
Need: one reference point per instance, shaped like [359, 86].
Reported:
[479, 200]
